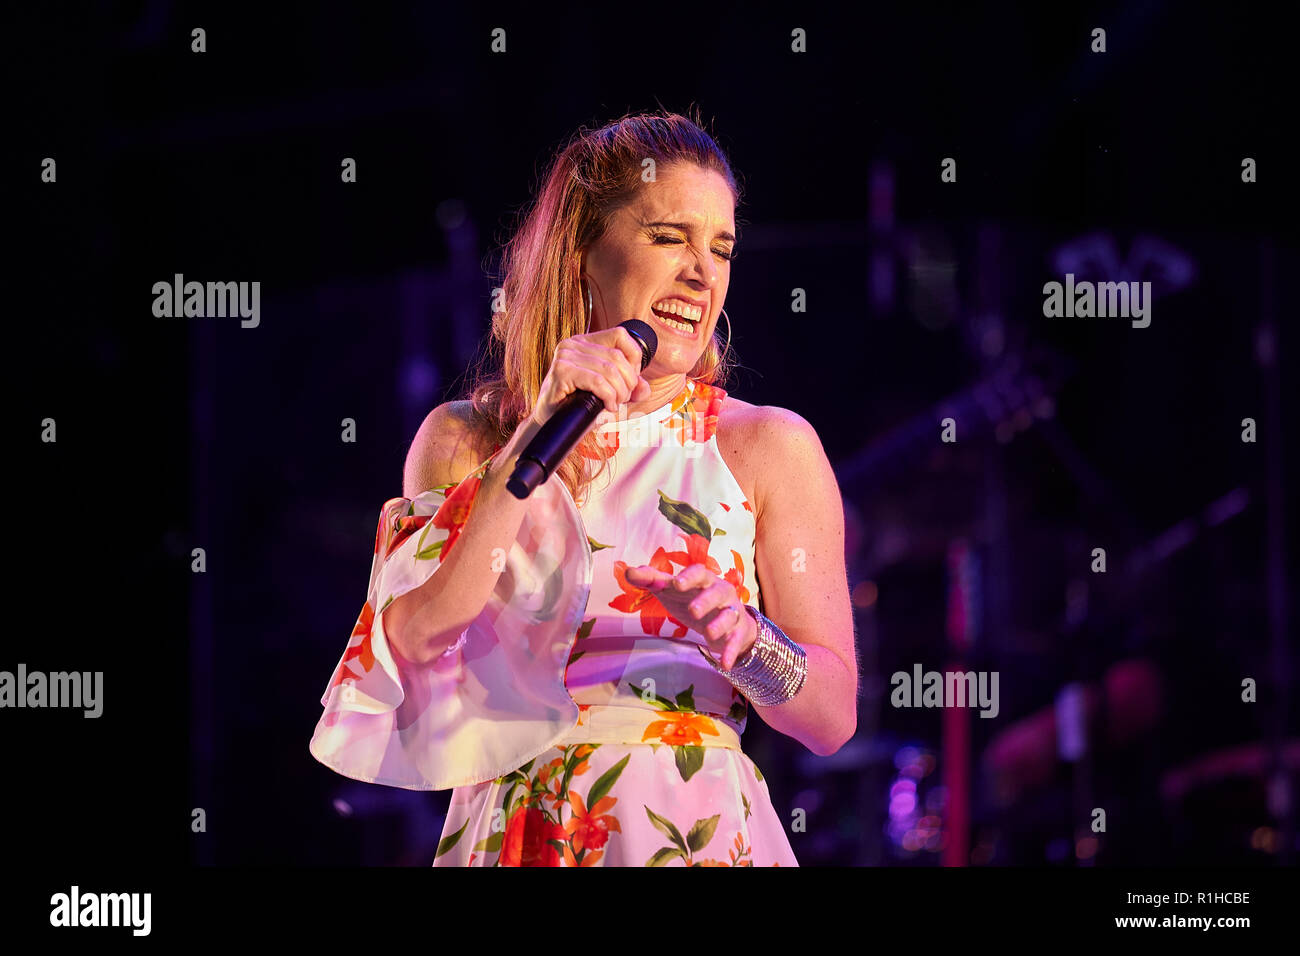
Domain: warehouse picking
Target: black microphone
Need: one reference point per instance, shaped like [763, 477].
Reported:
[572, 419]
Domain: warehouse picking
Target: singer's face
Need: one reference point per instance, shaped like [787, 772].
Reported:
[671, 244]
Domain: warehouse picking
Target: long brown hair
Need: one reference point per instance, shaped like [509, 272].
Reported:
[541, 301]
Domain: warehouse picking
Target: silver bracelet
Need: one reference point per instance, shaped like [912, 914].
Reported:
[772, 670]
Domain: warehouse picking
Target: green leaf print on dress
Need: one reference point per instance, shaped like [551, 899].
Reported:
[547, 821]
[700, 835]
[681, 729]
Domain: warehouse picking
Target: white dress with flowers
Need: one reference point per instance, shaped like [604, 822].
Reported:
[575, 720]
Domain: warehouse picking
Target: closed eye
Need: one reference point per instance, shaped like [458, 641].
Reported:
[663, 240]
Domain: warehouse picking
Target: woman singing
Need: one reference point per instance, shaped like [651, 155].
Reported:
[579, 665]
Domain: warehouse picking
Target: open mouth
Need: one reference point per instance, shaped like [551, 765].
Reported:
[678, 316]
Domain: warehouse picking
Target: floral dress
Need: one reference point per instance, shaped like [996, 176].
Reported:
[575, 720]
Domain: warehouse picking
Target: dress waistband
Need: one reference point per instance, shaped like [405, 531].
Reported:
[606, 724]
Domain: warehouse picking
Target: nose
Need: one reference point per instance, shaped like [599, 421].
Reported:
[704, 268]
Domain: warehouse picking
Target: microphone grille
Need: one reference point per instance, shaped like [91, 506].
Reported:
[645, 335]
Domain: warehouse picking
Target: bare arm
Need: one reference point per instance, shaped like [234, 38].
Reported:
[424, 622]
[799, 559]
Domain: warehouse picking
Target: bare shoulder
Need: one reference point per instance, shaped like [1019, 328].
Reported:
[760, 443]
[447, 447]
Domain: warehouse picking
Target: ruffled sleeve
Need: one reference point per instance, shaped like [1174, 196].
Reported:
[497, 697]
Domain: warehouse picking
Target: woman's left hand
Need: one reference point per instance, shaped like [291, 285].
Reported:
[704, 602]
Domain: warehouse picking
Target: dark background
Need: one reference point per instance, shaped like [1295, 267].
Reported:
[924, 300]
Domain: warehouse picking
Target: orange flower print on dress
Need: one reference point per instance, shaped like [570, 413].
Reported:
[736, 577]
[697, 552]
[398, 530]
[548, 823]
[589, 829]
[359, 651]
[547, 771]
[694, 417]
[453, 514]
[680, 729]
[739, 851]
[527, 836]
[581, 754]
[634, 599]
[392, 532]
[607, 443]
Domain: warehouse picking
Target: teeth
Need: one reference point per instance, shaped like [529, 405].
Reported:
[683, 326]
[677, 307]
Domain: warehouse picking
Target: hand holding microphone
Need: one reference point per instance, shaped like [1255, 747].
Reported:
[590, 373]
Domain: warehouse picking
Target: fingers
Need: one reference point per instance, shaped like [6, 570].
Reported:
[627, 357]
[717, 606]
[731, 653]
[725, 620]
[715, 611]
[730, 645]
[605, 363]
[621, 339]
[602, 370]
[694, 576]
[574, 369]
[716, 595]
[650, 578]
[618, 373]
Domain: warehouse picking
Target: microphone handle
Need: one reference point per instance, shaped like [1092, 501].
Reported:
[573, 417]
[530, 470]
